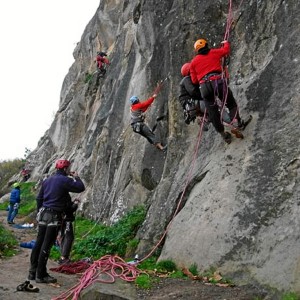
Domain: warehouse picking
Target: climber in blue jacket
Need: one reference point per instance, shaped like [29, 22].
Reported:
[14, 202]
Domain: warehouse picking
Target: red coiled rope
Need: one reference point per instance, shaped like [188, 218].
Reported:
[110, 266]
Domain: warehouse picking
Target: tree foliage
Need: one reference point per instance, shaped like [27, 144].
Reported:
[8, 168]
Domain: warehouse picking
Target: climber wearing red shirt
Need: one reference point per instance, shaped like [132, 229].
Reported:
[206, 70]
[137, 111]
[101, 59]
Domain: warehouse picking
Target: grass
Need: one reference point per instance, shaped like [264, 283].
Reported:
[88, 77]
[28, 202]
[290, 296]
[7, 243]
[96, 240]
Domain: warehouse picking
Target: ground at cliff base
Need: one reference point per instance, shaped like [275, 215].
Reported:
[14, 272]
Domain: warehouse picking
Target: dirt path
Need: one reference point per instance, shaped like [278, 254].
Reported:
[14, 271]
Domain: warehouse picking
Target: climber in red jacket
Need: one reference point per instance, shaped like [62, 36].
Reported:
[206, 70]
[101, 59]
[138, 110]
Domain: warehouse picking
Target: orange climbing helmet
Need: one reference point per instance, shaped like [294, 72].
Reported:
[185, 69]
[199, 44]
[62, 163]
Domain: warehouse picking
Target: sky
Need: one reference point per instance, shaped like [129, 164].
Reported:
[37, 43]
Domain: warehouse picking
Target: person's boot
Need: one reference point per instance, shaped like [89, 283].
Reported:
[241, 124]
[46, 279]
[226, 137]
[31, 276]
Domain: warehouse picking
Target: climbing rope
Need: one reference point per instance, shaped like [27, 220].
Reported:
[226, 37]
[229, 23]
[192, 165]
[104, 270]
[72, 268]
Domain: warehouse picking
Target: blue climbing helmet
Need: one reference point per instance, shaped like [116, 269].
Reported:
[134, 99]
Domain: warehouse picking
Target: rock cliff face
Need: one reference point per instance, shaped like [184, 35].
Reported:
[238, 204]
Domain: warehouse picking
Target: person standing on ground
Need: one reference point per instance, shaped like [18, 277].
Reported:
[206, 70]
[138, 125]
[52, 201]
[67, 232]
[14, 202]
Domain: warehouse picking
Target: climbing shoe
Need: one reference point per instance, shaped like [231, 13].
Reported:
[226, 137]
[46, 279]
[27, 287]
[21, 287]
[31, 288]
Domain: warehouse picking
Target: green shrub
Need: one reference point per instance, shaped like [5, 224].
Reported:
[148, 264]
[7, 243]
[8, 168]
[193, 269]
[166, 266]
[178, 274]
[28, 198]
[113, 239]
[290, 296]
[88, 77]
[143, 281]
[28, 202]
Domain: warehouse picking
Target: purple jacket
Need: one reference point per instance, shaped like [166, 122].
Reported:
[55, 190]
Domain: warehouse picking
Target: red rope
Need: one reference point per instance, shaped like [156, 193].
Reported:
[72, 268]
[184, 189]
[224, 68]
[111, 266]
[229, 21]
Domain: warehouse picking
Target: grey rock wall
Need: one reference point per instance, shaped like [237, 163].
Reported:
[237, 205]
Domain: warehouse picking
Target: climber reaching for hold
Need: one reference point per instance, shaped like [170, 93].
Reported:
[206, 70]
[138, 125]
